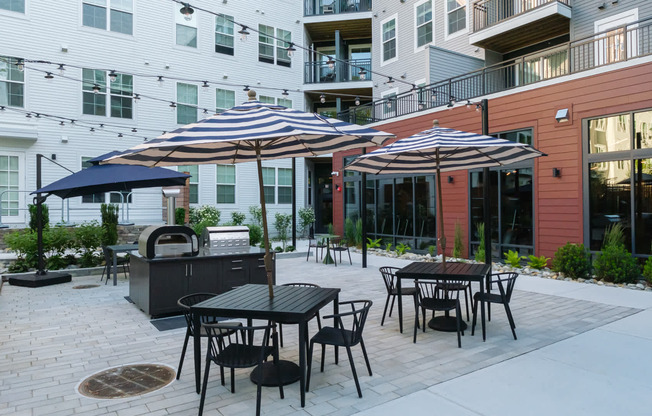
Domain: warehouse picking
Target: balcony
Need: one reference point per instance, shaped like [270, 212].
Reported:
[615, 45]
[341, 71]
[330, 7]
[507, 25]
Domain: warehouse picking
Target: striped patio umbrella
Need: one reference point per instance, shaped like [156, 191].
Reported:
[253, 131]
[439, 150]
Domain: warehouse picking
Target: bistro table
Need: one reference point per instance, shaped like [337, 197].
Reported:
[290, 304]
[327, 259]
[119, 248]
[464, 272]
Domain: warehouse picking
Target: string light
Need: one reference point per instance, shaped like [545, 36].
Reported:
[62, 70]
[49, 76]
[322, 98]
[357, 100]
[285, 92]
[113, 76]
[205, 84]
[390, 81]
[134, 130]
[187, 11]
[173, 105]
[243, 33]
[330, 62]
[96, 88]
[362, 73]
[291, 49]
[120, 135]
[160, 80]
[20, 64]
[246, 88]
[136, 97]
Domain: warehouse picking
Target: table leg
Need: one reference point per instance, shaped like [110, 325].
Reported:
[302, 361]
[328, 259]
[400, 304]
[196, 344]
[336, 310]
[484, 333]
[115, 268]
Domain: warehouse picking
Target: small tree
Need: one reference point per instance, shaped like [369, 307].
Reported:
[33, 224]
[349, 231]
[282, 224]
[458, 245]
[179, 216]
[238, 218]
[256, 215]
[109, 223]
[306, 219]
[480, 253]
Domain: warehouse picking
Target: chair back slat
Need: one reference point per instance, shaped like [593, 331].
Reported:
[505, 282]
[355, 317]
[389, 276]
[187, 301]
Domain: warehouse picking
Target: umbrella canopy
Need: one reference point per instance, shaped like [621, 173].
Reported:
[106, 178]
[251, 132]
[442, 149]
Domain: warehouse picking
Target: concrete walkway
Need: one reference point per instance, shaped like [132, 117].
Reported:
[582, 349]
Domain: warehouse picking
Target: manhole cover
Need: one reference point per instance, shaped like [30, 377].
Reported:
[127, 381]
[85, 286]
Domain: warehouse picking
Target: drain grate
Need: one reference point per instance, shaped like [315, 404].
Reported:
[127, 381]
[85, 286]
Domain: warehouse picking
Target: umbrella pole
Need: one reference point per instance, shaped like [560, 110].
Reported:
[268, 255]
[440, 214]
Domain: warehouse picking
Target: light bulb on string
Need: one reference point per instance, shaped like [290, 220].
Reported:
[187, 11]
[120, 135]
[330, 62]
[243, 33]
[49, 76]
[28, 115]
[285, 92]
[136, 97]
[246, 88]
[173, 105]
[205, 85]
[357, 100]
[134, 130]
[96, 88]
[291, 50]
[390, 81]
[62, 69]
[113, 76]
[322, 98]
[362, 73]
[20, 64]
[92, 130]
[160, 80]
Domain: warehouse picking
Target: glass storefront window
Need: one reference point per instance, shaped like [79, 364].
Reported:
[610, 134]
[643, 130]
[643, 205]
[516, 208]
[424, 197]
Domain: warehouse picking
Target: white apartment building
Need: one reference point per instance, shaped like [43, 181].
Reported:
[79, 78]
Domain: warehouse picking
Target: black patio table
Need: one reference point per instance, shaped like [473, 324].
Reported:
[115, 249]
[465, 272]
[290, 304]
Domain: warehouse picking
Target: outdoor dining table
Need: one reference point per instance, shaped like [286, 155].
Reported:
[327, 259]
[290, 304]
[115, 249]
[463, 272]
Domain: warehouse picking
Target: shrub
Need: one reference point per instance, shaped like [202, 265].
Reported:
[278, 249]
[537, 262]
[614, 235]
[388, 247]
[480, 253]
[647, 270]
[306, 219]
[349, 230]
[256, 215]
[238, 218]
[402, 248]
[615, 264]
[109, 214]
[331, 229]
[573, 260]
[458, 245]
[33, 217]
[373, 243]
[282, 223]
[255, 234]
[89, 238]
[431, 250]
[358, 233]
[201, 225]
[205, 213]
[24, 245]
[512, 258]
[290, 249]
[180, 216]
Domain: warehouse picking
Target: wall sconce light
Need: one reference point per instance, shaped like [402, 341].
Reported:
[451, 179]
[562, 115]
[556, 173]
[602, 6]
[335, 173]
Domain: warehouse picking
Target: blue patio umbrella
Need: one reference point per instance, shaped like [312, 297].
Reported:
[439, 150]
[251, 132]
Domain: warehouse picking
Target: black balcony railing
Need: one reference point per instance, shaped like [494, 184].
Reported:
[487, 13]
[340, 71]
[319, 7]
[605, 48]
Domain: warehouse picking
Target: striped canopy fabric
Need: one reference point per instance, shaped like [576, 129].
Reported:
[457, 150]
[240, 133]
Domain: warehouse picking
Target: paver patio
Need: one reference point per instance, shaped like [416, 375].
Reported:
[54, 337]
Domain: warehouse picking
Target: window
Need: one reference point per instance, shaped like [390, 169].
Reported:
[186, 30]
[266, 44]
[224, 99]
[225, 184]
[389, 40]
[266, 49]
[94, 92]
[282, 57]
[456, 15]
[284, 186]
[424, 23]
[267, 100]
[186, 103]
[120, 15]
[193, 170]
[13, 5]
[269, 185]
[224, 34]
[98, 198]
[9, 182]
[284, 102]
[12, 83]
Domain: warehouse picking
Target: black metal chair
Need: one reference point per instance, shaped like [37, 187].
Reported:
[505, 283]
[339, 245]
[464, 287]
[389, 276]
[428, 297]
[244, 348]
[185, 303]
[280, 326]
[317, 245]
[108, 260]
[340, 336]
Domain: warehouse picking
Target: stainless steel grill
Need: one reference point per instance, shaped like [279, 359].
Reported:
[225, 238]
[167, 241]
